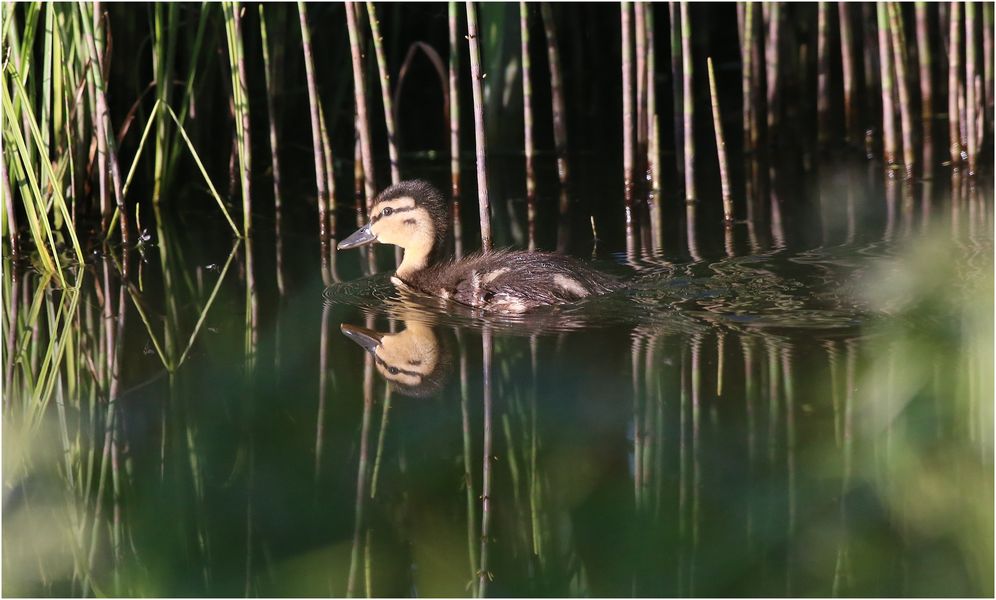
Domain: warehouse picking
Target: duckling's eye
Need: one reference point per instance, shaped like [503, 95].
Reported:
[393, 370]
[387, 212]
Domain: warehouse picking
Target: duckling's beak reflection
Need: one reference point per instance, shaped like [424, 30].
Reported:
[361, 237]
[367, 338]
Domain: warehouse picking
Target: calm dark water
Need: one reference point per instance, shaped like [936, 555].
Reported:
[802, 406]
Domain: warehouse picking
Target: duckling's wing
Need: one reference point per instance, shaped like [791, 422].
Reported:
[516, 281]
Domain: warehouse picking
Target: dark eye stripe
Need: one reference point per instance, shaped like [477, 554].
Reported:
[393, 212]
[397, 370]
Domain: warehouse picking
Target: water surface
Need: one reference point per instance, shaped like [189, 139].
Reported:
[796, 408]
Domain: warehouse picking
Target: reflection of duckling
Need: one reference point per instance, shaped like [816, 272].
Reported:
[411, 360]
[413, 215]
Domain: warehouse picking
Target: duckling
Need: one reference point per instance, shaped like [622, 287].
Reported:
[414, 216]
[412, 360]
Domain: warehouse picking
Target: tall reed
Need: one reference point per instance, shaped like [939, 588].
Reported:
[823, 73]
[653, 127]
[847, 69]
[905, 102]
[747, 71]
[269, 74]
[385, 93]
[640, 41]
[970, 75]
[527, 123]
[688, 105]
[105, 136]
[453, 112]
[772, 54]
[557, 95]
[360, 97]
[954, 82]
[240, 98]
[885, 65]
[477, 79]
[926, 75]
[316, 139]
[454, 106]
[987, 59]
[626, 29]
[724, 169]
[163, 64]
[674, 12]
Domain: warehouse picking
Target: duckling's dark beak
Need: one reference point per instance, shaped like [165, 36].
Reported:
[367, 338]
[361, 237]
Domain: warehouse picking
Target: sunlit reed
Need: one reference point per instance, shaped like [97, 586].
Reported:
[688, 102]
[527, 124]
[316, 142]
[724, 169]
[626, 29]
[480, 143]
[385, 92]
[954, 82]
[360, 98]
[898, 39]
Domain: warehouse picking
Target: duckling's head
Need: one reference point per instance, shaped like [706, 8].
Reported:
[411, 214]
[412, 360]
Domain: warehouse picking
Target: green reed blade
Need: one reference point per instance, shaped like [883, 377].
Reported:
[148, 327]
[200, 165]
[207, 307]
[39, 222]
[153, 116]
[188, 88]
[36, 226]
[60, 202]
[46, 95]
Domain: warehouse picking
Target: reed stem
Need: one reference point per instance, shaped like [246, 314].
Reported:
[885, 65]
[847, 68]
[905, 104]
[772, 74]
[626, 27]
[240, 95]
[360, 97]
[987, 58]
[724, 168]
[527, 123]
[674, 13]
[385, 93]
[454, 124]
[926, 76]
[477, 78]
[954, 82]
[870, 53]
[640, 29]
[653, 129]
[271, 114]
[688, 105]
[557, 96]
[970, 74]
[823, 73]
[454, 65]
[313, 110]
[105, 135]
[746, 44]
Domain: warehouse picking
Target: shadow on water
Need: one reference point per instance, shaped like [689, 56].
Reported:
[764, 412]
